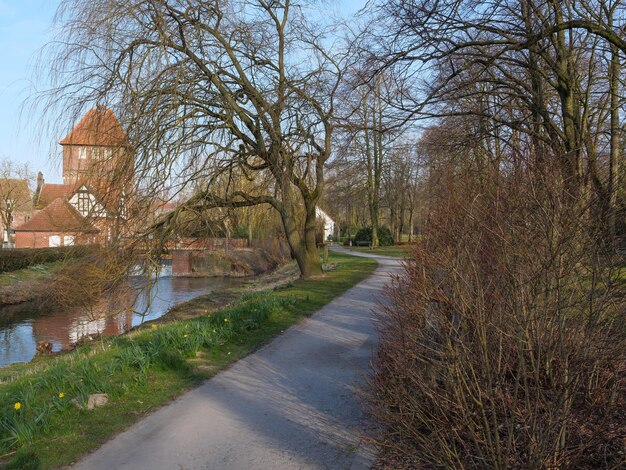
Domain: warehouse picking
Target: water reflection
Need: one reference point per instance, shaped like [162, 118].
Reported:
[24, 326]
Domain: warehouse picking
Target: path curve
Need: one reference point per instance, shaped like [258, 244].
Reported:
[290, 405]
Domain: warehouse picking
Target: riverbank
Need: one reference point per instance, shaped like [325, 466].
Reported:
[78, 310]
[214, 301]
[146, 368]
[25, 285]
[34, 283]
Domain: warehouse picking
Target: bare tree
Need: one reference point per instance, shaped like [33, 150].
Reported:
[205, 88]
[15, 197]
[401, 179]
[369, 128]
[541, 76]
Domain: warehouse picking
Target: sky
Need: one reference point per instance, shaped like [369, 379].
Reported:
[25, 27]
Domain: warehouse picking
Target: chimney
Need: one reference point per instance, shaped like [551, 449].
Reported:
[38, 189]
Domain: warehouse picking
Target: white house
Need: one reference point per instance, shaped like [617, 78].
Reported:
[328, 224]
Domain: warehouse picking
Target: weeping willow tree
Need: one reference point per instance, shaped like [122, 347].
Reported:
[207, 90]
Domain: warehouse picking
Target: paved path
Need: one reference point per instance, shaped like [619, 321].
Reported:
[290, 405]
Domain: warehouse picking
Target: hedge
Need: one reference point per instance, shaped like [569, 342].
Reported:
[20, 258]
[384, 235]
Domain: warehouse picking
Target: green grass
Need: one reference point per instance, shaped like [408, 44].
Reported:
[145, 369]
[392, 251]
[32, 273]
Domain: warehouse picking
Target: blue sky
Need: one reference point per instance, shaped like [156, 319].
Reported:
[25, 27]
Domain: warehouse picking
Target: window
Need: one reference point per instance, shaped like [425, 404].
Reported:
[68, 240]
[108, 152]
[84, 203]
[82, 153]
[95, 153]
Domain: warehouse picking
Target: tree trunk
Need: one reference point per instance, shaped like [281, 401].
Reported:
[300, 232]
[614, 157]
[370, 162]
[572, 160]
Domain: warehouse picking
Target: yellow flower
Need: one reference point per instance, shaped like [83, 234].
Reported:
[61, 395]
[226, 320]
[184, 336]
[153, 326]
[17, 405]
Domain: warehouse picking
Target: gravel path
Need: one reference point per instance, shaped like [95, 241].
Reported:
[290, 405]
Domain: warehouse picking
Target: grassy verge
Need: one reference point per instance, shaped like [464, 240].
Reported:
[391, 251]
[29, 283]
[39, 271]
[41, 425]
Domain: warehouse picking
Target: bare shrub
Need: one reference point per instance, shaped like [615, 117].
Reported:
[504, 344]
[81, 284]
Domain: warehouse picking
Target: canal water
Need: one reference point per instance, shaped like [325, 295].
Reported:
[24, 326]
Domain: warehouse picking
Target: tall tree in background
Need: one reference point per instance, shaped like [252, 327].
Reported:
[369, 127]
[400, 183]
[535, 77]
[215, 86]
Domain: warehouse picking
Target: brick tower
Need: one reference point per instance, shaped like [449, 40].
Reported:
[96, 150]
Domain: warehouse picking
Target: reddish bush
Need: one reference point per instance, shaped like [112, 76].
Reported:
[504, 344]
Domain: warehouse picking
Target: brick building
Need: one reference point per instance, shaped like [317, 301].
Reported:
[96, 150]
[91, 204]
[58, 224]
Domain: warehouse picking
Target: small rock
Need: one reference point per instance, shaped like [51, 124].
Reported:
[96, 400]
[44, 348]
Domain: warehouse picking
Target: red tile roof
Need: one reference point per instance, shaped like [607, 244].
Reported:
[107, 197]
[100, 127]
[50, 192]
[59, 216]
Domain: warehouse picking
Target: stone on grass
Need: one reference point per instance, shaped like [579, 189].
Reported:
[96, 400]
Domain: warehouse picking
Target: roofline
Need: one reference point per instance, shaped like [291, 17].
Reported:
[18, 229]
[120, 145]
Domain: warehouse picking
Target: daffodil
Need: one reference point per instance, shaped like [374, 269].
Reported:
[61, 395]
[153, 326]
[225, 320]
[17, 405]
